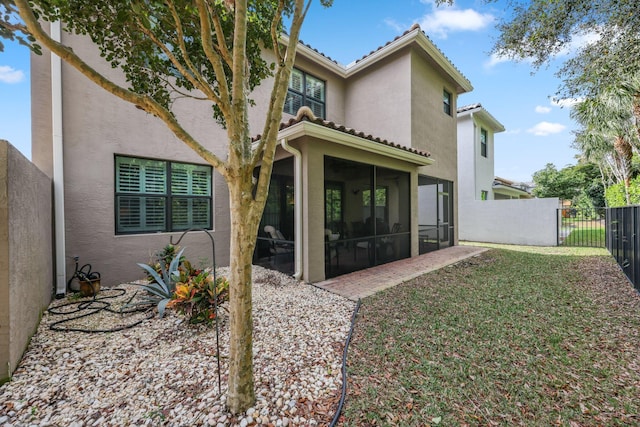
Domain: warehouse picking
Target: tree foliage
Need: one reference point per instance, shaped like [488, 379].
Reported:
[550, 182]
[12, 29]
[604, 34]
[610, 129]
[621, 195]
[576, 183]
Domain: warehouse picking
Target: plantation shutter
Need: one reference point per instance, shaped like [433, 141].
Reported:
[296, 81]
[315, 88]
[191, 190]
[141, 187]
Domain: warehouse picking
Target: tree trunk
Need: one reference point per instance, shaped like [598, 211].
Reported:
[625, 152]
[244, 224]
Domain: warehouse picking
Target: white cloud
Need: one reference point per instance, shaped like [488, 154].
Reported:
[542, 110]
[9, 75]
[546, 128]
[495, 59]
[446, 19]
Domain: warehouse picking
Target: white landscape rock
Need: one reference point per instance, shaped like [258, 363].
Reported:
[164, 371]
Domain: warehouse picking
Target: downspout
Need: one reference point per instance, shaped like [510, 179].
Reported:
[58, 168]
[297, 196]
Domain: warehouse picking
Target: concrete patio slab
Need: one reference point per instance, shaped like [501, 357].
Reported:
[363, 283]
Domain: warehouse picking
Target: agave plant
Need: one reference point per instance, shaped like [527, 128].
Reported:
[160, 290]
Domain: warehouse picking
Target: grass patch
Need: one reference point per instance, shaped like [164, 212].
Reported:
[511, 337]
[594, 237]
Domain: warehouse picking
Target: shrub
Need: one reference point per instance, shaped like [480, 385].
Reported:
[163, 258]
[196, 295]
[615, 194]
[161, 289]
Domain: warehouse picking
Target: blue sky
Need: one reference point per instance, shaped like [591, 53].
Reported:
[538, 131]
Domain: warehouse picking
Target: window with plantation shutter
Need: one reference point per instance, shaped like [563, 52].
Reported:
[156, 195]
[307, 90]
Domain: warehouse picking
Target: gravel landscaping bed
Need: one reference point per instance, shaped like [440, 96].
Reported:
[164, 371]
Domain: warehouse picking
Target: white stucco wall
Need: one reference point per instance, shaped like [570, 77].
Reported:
[466, 159]
[518, 222]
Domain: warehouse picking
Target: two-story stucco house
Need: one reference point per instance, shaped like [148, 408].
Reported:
[365, 175]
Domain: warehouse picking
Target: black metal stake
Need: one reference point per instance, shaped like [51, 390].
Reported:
[215, 300]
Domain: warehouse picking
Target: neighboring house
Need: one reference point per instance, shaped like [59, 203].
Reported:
[373, 160]
[477, 180]
[504, 189]
[490, 208]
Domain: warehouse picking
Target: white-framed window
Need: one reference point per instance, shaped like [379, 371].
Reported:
[305, 89]
[158, 195]
[484, 195]
[446, 101]
[483, 142]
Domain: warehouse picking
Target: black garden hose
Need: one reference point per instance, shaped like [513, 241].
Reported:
[93, 306]
[344, 367]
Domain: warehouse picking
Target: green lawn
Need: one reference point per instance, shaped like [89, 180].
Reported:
[589, 236]
[512, 337]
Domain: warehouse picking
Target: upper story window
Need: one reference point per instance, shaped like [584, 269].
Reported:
[483, 142]
[446, 102]
[304, 89]
[157, 195]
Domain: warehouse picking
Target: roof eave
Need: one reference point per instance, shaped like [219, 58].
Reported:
[486, 117]
[305, 128]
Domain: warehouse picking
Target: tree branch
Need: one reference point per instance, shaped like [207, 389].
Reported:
[275, 23]
[194, 78]
[222, 47]
[214, 59]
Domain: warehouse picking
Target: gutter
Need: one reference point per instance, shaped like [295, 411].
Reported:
[297, 195]
[58, 167]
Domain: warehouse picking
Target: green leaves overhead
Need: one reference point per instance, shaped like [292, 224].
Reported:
[602, 38]
[11, 27]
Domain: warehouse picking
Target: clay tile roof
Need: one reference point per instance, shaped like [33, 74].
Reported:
[414, 27]
[319, 53]
[306, 115]
[469, 107]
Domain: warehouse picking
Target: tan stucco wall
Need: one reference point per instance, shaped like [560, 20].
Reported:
[313, 152]
[378, 99]
[26, 253]
[432, 129]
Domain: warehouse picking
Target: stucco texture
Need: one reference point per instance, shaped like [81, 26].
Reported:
[26, 253]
